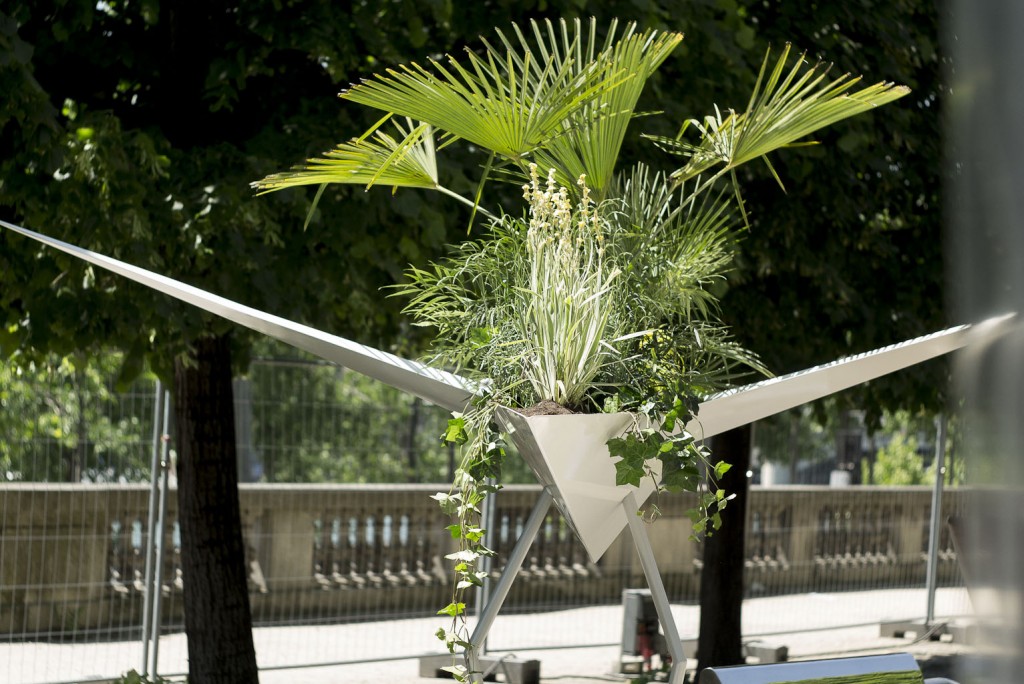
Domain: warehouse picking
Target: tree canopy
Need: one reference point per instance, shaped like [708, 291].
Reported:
[135, 127]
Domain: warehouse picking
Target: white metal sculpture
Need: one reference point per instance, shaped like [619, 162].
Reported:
[564, 456]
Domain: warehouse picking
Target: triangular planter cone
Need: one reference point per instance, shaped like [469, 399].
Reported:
[569, 455]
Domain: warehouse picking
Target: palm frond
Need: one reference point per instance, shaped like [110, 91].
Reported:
[546, 90]
[406, 160]
[788, 103]
[591, 140]
[508, 103]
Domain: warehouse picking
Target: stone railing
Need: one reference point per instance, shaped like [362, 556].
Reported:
[71, 556]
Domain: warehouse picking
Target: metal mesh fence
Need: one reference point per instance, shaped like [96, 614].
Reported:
[345, 547]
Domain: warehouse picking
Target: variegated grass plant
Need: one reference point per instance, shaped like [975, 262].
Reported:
[566, 311]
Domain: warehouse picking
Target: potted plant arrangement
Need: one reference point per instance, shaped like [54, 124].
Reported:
[589, 316]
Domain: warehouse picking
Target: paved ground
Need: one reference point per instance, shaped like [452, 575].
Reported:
[777, 618]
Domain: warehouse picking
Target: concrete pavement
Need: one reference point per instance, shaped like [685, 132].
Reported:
[810, 625]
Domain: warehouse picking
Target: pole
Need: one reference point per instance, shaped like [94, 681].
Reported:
[483, 592]
[161, 523]
[934, 529]
[657, 587]
[154, 478]
[512, 566]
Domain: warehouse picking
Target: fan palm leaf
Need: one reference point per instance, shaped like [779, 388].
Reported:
[499, 102]
[591, 142]
[406, 160]
[786, 105]
[522, 93]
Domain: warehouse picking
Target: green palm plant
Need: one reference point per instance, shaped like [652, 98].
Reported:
[790, 104]
[601, 296]
[561, 100]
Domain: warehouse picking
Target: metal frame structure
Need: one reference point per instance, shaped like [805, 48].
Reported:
[718, 413]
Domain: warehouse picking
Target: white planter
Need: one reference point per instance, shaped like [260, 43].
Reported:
[569, 455]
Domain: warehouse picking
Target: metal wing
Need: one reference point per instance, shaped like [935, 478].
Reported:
[436, 386]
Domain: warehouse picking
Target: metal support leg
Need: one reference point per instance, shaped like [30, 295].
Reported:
[500, 591]
[657, 587]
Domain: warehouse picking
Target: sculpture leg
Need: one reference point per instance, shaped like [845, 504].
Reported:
[657, 587]
[508, 575]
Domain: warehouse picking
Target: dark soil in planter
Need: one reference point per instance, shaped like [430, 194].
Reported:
[547, 408]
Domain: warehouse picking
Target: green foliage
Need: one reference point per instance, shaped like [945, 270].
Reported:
[315, 422]
[551, 94]
[901, 460]
[899, 463]
[804, 436]
[60, 420]
[784, 107]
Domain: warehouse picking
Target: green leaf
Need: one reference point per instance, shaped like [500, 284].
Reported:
[784, 107]
[456, 431]
[681, 480]
[465, 555]
[590, 145]
[721, 468]
[458, 672]
[449, 502]
[510, 102]
[408, 160]
[627, 474]
[453, 609]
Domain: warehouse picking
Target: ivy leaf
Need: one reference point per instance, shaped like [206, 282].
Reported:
[449, 502]
[456, 671]
[479, 337]
[467, 556]
[453, 609]
[456, 431]
[721, 468]
[627, 473]
[681, 479]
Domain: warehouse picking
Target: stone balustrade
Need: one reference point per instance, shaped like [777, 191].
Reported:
[72, 561]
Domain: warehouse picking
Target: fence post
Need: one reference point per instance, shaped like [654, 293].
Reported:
[161, 524]
[933, 530]
[154, 476]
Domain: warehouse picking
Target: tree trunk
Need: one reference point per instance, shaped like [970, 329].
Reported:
[721, 580]
[218, 621]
